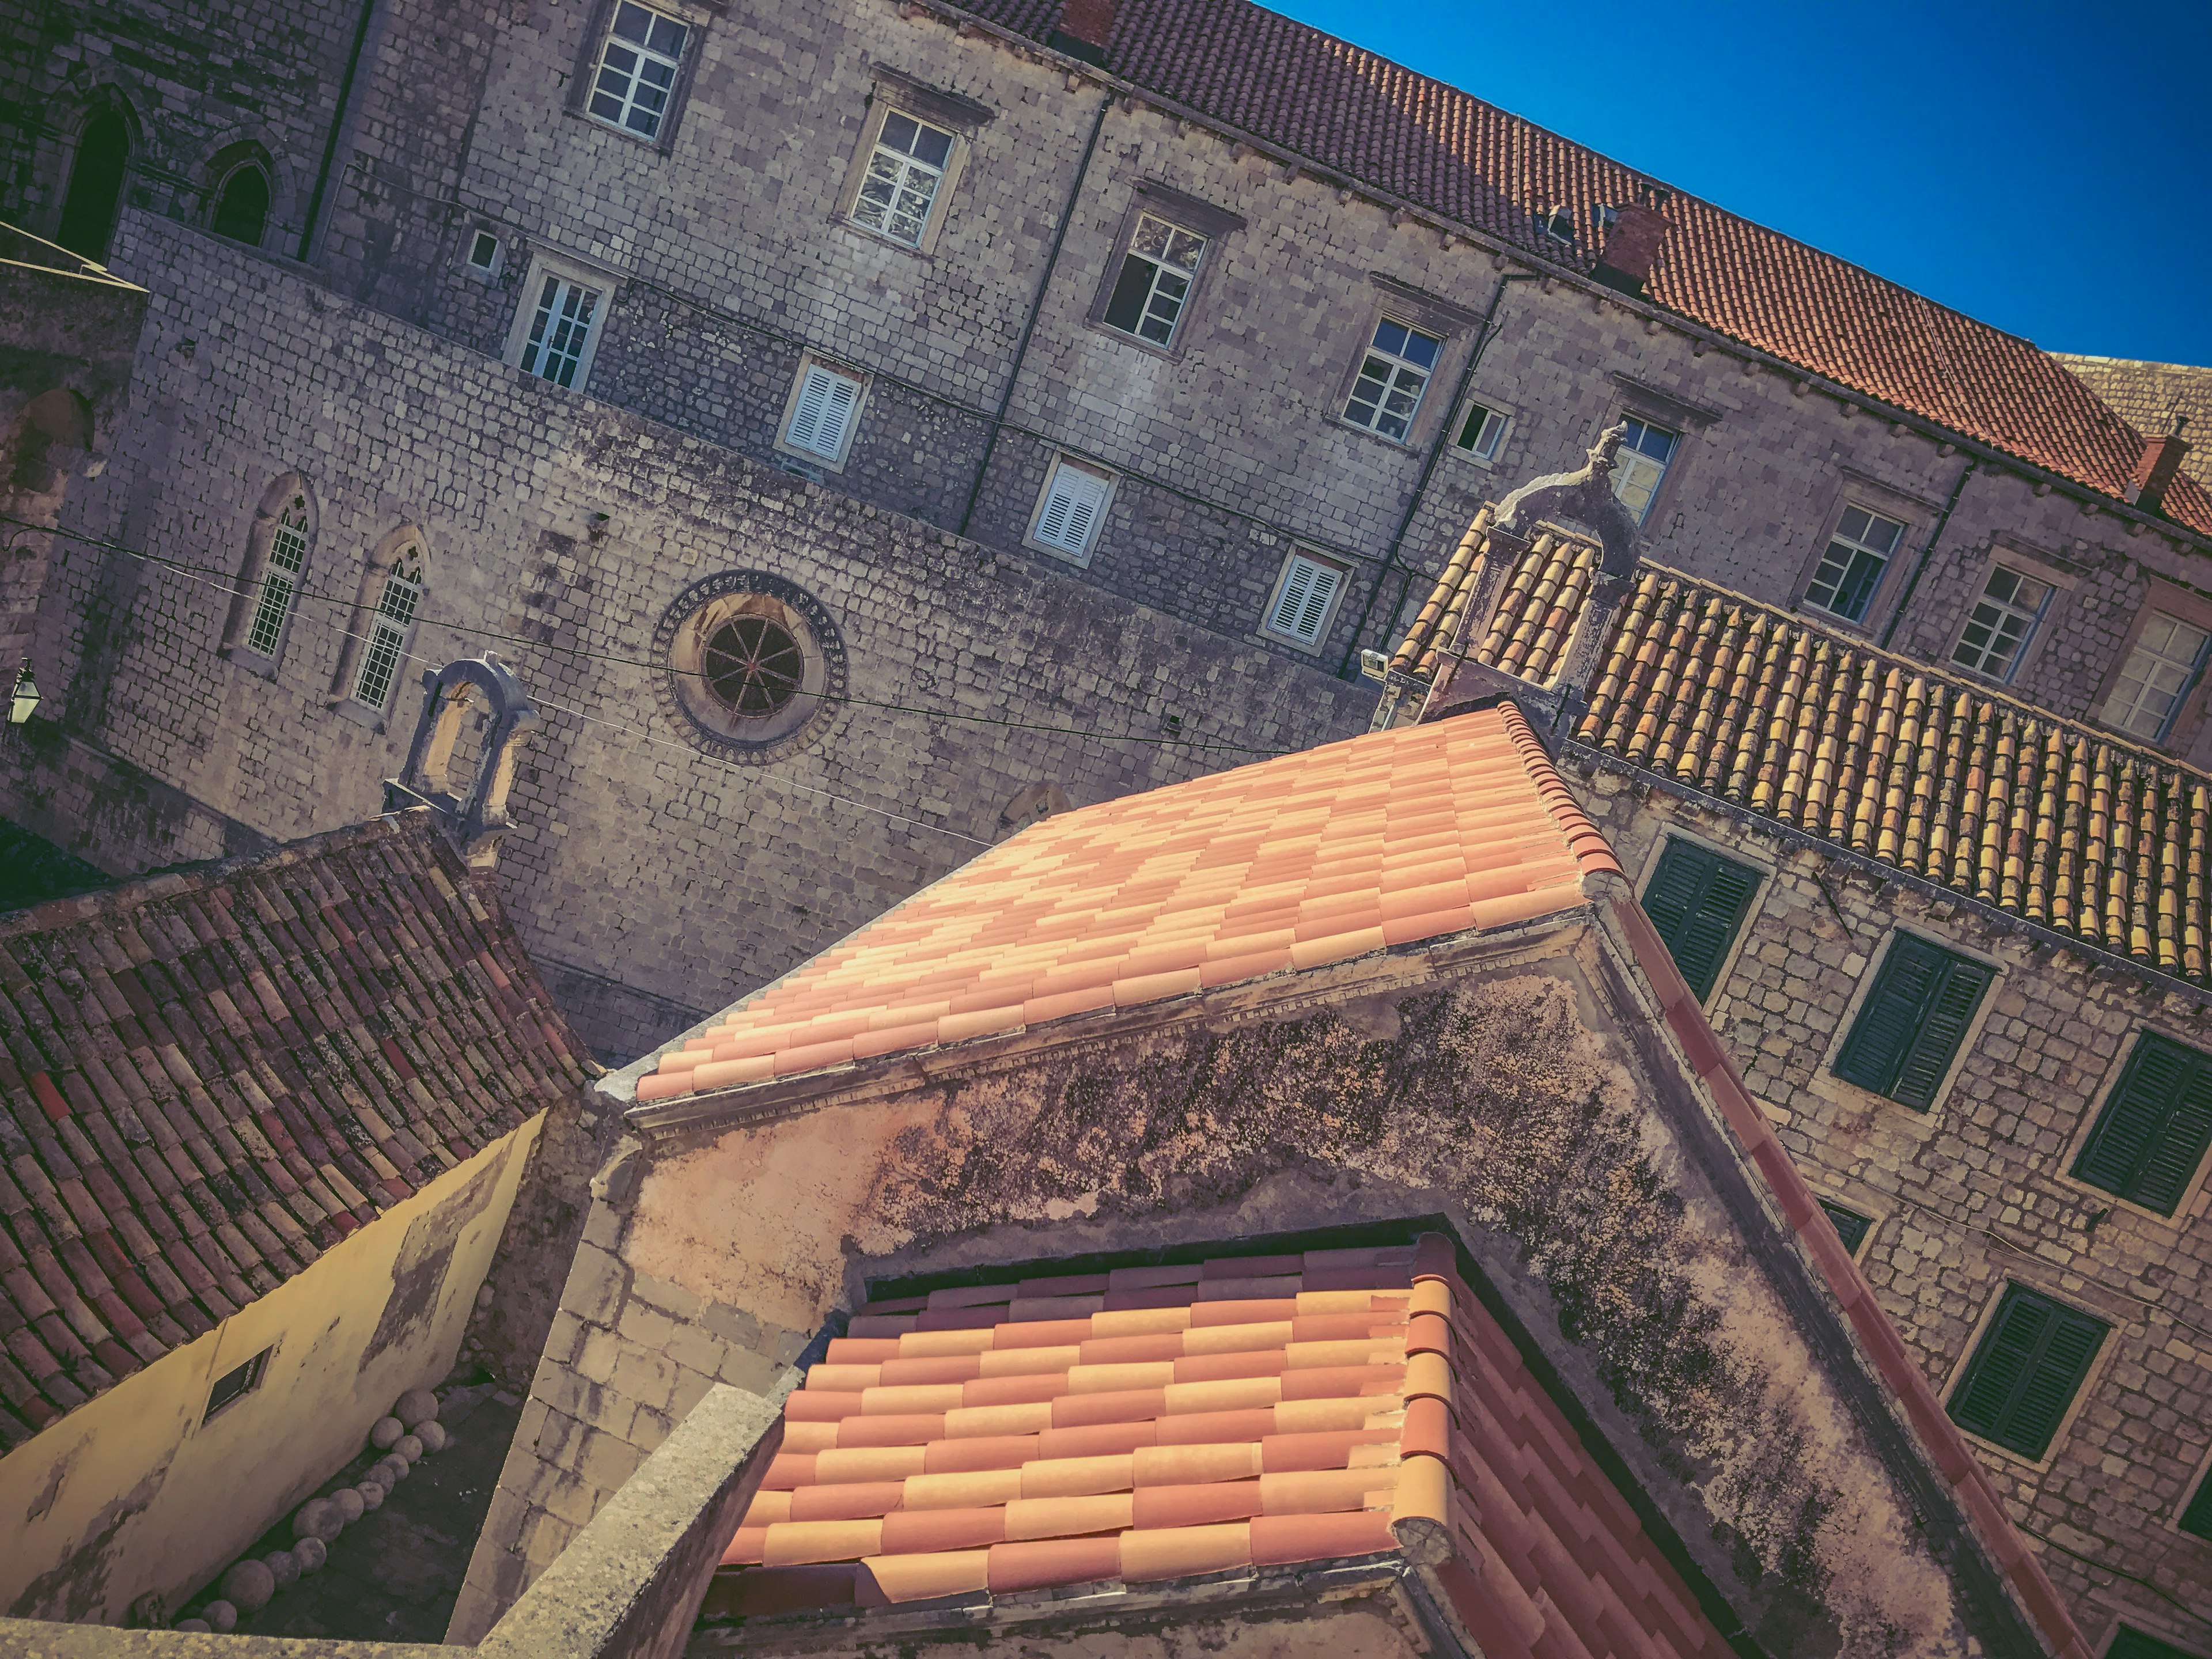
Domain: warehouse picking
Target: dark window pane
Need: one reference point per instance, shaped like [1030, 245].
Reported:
[2023, 1378]
[242, 211]
[2154, 1128]
[668, 38]
[932, 147]
[2197, 1517]
[633, 22]
[2134, 1644]
[1697, 900]
[1851, 1226]
[95, 185]
[1126, 308]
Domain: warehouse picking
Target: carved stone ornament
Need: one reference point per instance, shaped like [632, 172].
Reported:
[475, 819]
[754, 666]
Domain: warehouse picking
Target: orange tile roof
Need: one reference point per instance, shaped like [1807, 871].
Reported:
[2062, 825]
[1158, 1423]
[1379, 841]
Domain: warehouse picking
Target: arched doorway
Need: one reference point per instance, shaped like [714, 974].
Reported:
[241, 204]
[95, 186]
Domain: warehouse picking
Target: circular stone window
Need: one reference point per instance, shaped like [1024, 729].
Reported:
[756, 666]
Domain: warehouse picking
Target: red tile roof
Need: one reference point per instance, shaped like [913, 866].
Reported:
[209, 1078]
[1439, 149]
[1311, 858]
[1159, 1423]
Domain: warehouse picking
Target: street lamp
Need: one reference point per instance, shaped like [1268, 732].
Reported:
[26, 698]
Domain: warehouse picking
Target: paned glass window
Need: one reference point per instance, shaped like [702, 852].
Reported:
[1074, 501]
[2167, 654]
[1301, 606]
[561, 330]
[2025, 1372]
[385, 648]
[1912, 1022]
[821, 414]
[1637, 469]
[1156, 280]
[238, 1380]
[1697, 902]
[902, 180]
[280, 580]
[1481, 432]
[2146, 1143]
[637, 70]
[1851, 1226]
[1851, 570]
[2002, 623]
[1392, 379]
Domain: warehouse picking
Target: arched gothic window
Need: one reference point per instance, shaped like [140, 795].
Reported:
[280, 579]
[95, 185]
[384, 646]
[241, 204]
[272, 576]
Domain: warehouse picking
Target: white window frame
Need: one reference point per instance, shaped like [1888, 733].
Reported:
[2121, 707]
[282, 573]
[2006, 610]
[812, 369]
[1095, 480]
[1188, 275]
[908, 167]
[570, 274]
[648, 56]
[1837, 537]
[389, 630]
[1396, 369]
[1292, 587]
[1630, 465]
[1501, 423]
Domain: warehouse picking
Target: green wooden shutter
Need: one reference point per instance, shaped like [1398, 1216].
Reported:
[1850, 1225]
[2134, 1644]
[1697, 902]
[2025, 1372]
[1912, 1022]
[1950, 1010]
[2153, 1133]
[2197, 1517]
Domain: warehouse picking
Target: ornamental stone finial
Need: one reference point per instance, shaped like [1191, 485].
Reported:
[1585, 497]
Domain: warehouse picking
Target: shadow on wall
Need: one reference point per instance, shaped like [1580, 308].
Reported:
[33, 870]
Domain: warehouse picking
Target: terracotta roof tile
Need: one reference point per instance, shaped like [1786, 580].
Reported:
[2062, 825]
[1443, 151]
[1281, 865]
[2148, 396]
[168, 1049]
[1435, 1423]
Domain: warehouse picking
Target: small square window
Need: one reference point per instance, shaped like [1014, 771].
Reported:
[1852, 569]
[1851, 1226]
[1156, 276]
[1392, 378]
[560, 337]
[483, 253]
[1071, 511]
[2002, 623]
[2168, 655]
[1641, 465]
[825, 407]
[1913, 1021]
[1481, 432]
[637, 70]
[2029, 1366]
[238, 1381]
[899, 190]
[1305, 599]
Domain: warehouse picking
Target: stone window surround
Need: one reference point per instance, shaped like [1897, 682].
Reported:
[2191, 607]
[1825, 1083]
[895, 91]
[259, 539]
[695, 15]
[1879, 1208]
[1657, 407]
[1186, 212]
[2010, 1269]
[1054, 459]
[543, 263]
[1509, 413]
[488, 274]
[813, 459]
[1869, 494]
[1263, 635]
[2194, 1197]
[366, 599]
[1402, 302]
[2014, 554]
[1744, 855]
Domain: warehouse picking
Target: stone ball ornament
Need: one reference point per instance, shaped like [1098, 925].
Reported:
[415, 1405]
[433, 1435]
[348, 1503]
[311, 1554]
[371, 1494]
[220, 1615]
[386, 1432]
[248, 1585]
[284, 1567]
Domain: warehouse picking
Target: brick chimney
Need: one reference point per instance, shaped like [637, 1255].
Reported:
[1632, 247]
[1083, 27]
[2154, 471]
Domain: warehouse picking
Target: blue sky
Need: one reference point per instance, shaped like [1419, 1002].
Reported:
[2044, 167]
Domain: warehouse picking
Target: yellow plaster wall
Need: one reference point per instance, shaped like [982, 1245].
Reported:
[132, 1492]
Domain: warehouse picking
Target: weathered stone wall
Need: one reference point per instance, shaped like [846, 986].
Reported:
[1975, 1194]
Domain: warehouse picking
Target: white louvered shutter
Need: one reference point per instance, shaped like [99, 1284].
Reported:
[1071, 509]
[823, 413]
[1307, 591]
